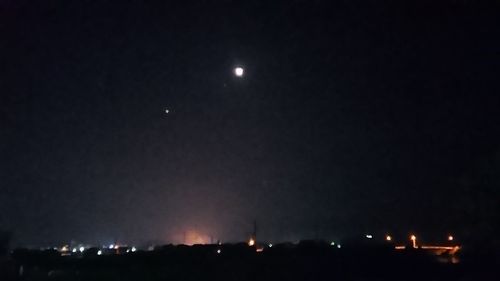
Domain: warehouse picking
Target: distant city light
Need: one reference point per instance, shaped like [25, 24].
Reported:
[111, 246]
[74, 250]
[167, 111]
[82, 249]
[332, 243]
[64, 248]
[218, 251]
[251, 242]
[369, 236]
[413, 238]
[99, 252]
[388, 238]
[238, 71]
[270, 245]
[450, 238]
[134, 249]
[338, 246]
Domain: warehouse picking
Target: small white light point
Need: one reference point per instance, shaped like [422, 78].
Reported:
[82, 249]
[134, 249]
[99, 252]
[270, 245]
[167, 111]
[239, 71]
[369, 236]
[332, 243]
[218, 251]
[338, 246]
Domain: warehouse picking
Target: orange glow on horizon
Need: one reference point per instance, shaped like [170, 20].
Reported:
[193, 237]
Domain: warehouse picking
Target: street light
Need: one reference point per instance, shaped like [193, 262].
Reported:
[413, 238]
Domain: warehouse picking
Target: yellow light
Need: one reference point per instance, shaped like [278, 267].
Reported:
[450, 238]
[388, 238]
[251, 242]
[414, 241]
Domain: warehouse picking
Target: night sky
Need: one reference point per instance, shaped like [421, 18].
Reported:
[351, 117]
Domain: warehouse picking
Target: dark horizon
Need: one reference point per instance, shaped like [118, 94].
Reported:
[351, 117]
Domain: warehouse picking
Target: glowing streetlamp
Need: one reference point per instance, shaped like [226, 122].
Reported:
[251, 242]
[239, 71]
[388, 238]
[413, 239]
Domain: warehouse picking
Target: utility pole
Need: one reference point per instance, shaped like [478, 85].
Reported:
[254, 230]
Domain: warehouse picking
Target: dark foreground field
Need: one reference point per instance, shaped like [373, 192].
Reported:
[240, 262]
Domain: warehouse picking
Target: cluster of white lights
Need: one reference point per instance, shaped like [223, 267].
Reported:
[369, 236]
